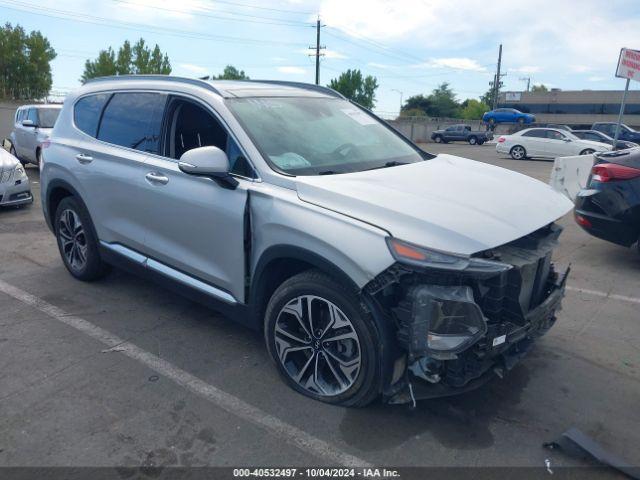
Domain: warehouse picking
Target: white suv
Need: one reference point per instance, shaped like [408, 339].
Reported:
[372, 267]
[32, 127]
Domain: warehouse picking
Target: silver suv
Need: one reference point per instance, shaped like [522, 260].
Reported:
[32, 127]
[372, 267]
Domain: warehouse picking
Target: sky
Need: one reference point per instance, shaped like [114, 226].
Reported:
[410, 46]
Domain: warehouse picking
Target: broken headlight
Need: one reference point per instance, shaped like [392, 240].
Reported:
[442, 320]
[410, 254]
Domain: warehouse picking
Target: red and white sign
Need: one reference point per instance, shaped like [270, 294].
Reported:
[629, 64]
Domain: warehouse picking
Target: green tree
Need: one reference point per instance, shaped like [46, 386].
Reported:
[487, 98]
[443, 102]
[232, 73]
[539, 88]
[137, 60]
[25, 64]
[354, 86]
[415, 106]
[473, 109]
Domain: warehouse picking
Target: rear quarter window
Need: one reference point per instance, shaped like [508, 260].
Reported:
[87, 111]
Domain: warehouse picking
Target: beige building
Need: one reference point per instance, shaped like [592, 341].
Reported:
[575, 107]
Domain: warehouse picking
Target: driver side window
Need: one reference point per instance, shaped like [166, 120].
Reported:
[189, 126]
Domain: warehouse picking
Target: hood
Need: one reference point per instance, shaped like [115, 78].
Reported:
[7, 161]
[447, 203]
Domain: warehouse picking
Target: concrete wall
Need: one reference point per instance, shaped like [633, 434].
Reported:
[7, 114]
[419, 129]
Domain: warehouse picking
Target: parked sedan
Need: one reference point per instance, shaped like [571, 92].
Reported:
[14, 184]
[609, 207]
[546, 143]
[597, 136]
[507, 115]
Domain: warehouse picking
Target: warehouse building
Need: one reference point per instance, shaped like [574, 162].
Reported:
[577, 108]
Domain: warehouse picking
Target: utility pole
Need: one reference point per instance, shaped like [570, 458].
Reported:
[317, 49]
[496, 83]
[528, 79]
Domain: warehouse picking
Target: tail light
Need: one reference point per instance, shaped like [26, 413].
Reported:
[609, 172]
[580, 220]
[501, 140]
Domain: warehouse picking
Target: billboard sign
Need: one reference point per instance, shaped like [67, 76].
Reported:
[512, 96]
[629, 64]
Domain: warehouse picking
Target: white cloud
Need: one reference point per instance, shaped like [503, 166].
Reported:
[292, 70]
[456, 63]
[595, 78]
[195, 69]
[525, 69]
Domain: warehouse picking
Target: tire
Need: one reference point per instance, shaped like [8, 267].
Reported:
[13, 152]
[492, 121]
[356, 380]
[521, 121]
[587, 151]
[77, 242]
[472, 140]
[437, 139]
[518, 152]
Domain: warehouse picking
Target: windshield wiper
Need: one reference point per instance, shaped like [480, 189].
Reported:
[393, 163]
[327, 172]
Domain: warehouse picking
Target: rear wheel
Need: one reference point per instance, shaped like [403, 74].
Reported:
[588, 151]
[518, 152]
[323, 340]
[77, 243]
[472, 140]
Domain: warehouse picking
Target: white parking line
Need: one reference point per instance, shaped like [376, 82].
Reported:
[597, 293]
[222, 399]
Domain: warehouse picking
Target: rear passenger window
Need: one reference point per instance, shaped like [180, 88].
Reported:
[87, 110]
[535, 133]
[133, 120]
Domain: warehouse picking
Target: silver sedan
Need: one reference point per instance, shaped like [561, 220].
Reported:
[14, 183]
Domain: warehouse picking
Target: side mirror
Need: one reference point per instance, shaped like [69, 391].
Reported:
[208, 162]
[28, 123]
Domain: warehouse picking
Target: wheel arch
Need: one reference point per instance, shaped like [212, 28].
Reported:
[280, 262]
[55, 192]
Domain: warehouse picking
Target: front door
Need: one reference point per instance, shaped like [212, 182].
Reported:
[193, 224]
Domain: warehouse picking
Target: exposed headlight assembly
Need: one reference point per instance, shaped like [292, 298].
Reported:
[442, 320]
[410, 254]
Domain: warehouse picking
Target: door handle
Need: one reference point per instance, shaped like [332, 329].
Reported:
[155, 177]
[83, 158]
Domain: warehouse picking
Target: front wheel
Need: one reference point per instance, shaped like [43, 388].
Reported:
[323, 340]
[472, 140]
[518, 153]
[588, 151]
[521, 121]
[437, 139]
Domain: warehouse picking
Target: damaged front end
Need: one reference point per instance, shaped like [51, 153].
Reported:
[460, 321]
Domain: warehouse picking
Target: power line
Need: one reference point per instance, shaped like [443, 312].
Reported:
[201, 12]
[236, 4]
[94, 20]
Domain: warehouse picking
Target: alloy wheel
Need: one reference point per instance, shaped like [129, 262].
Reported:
[317, 345]
[73, 239]
[517, 153]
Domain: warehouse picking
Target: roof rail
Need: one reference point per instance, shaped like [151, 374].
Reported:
[304, 86]
[168, 78]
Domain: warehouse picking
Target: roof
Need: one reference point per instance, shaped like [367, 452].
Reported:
[41, 105]
[236, 88]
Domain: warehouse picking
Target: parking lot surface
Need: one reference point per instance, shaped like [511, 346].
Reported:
[123, 372]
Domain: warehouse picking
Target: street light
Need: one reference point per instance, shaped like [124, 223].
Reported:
[401, 93]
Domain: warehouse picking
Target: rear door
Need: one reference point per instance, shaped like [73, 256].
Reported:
[192, 224]
[534, 142]
[110, 160]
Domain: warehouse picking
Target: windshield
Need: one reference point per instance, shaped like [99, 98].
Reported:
[319, 136]
[47, 117]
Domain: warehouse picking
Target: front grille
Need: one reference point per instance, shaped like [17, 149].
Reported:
[508, 297]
